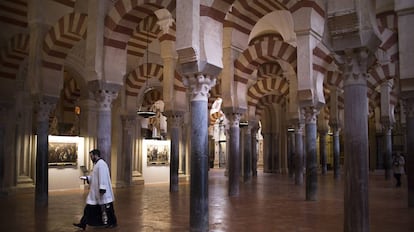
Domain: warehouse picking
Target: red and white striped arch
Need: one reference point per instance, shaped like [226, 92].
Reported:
[147, 29]
[61, 38]
[12, 55]
[265, 87]
[14, 12]
[123, 19]
[137, 78]
[269, 50]
[70, 93]
[268, 100]
[151, 97]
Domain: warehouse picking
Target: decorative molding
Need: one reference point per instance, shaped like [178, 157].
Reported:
[199, 85]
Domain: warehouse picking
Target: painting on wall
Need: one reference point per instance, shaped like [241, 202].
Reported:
[63, 154]
[157, 153]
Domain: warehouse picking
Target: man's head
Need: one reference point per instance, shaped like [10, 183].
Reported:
[95, 155]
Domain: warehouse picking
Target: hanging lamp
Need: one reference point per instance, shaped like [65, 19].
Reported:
[140, 111]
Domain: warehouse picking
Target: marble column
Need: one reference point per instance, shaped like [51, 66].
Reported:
[336, 152]
[267, 152]
[299, 153]
[356, 210]
[104, 95]
[291, 154]
[234, 159]
[409, 158]
[255, 128]
[311, 157]
[247, 159]
[387, 128]
[175, 121]
[128, 126]
[44, 108]
[322, 151]
[199, 85]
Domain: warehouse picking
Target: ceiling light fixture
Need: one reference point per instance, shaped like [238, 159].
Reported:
[140, 111]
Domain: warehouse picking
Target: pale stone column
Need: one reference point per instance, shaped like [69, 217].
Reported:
[247, 159]
[311, 158]
[104, 95]
[234, 159]
[125, 163]
[199, 86]
[356, 211]
[322, 151]
[409, 158]
[299, 153]
[44, 107]
[175, 121]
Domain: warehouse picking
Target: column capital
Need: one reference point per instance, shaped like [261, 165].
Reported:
[408, 104]
[310, 114]
[233, 116]
[199, 84]
[174, 118]
[128, 122]
[44, 106]
[355, 66]
[104, 93]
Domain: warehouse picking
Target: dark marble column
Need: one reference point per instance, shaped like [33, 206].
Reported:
[311, 157]
[409, 158]
[291, 153]
[255, 128]
[104, 95]
[247, 159]
[336, 152]
[388, 150]
[175, 121]
[299, 153]
[128, 126]
[234, 158]
[267, 152]
[199, 87]
[322, 151]
[356, 210]
[44, 107]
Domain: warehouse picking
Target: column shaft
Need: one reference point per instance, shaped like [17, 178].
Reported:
[247, 161]
[199, 166]
[174, 121]
[299, 154]
[322, 151]
[336, 154]
[356, 159]
[311, 157]
[388, 152]
[234, 159]
[409, 158]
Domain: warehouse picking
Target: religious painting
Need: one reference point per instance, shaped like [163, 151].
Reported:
[157, 153]
[63, 154]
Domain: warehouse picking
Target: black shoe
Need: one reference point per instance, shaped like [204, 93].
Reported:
[80, 225]
[111, 226]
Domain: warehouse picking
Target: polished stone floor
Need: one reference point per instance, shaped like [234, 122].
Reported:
[269, 202]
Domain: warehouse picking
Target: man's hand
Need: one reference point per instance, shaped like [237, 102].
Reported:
[102, 191]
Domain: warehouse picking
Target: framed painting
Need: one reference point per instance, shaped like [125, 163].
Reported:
[63, 154]
[158, 153]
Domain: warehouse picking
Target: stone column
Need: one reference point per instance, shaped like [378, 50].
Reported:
[311, 158]
[44, 108]
[175, 121]
[291, 154]
[267, 152]
[409, 158]
[356, 211]
[104, 95]
[322, 151]
[336, 151]
[387, 128]
[234, 159]
[247, 159]
[199, 86]
[255, 128]
[125, 170]
[299, 153]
